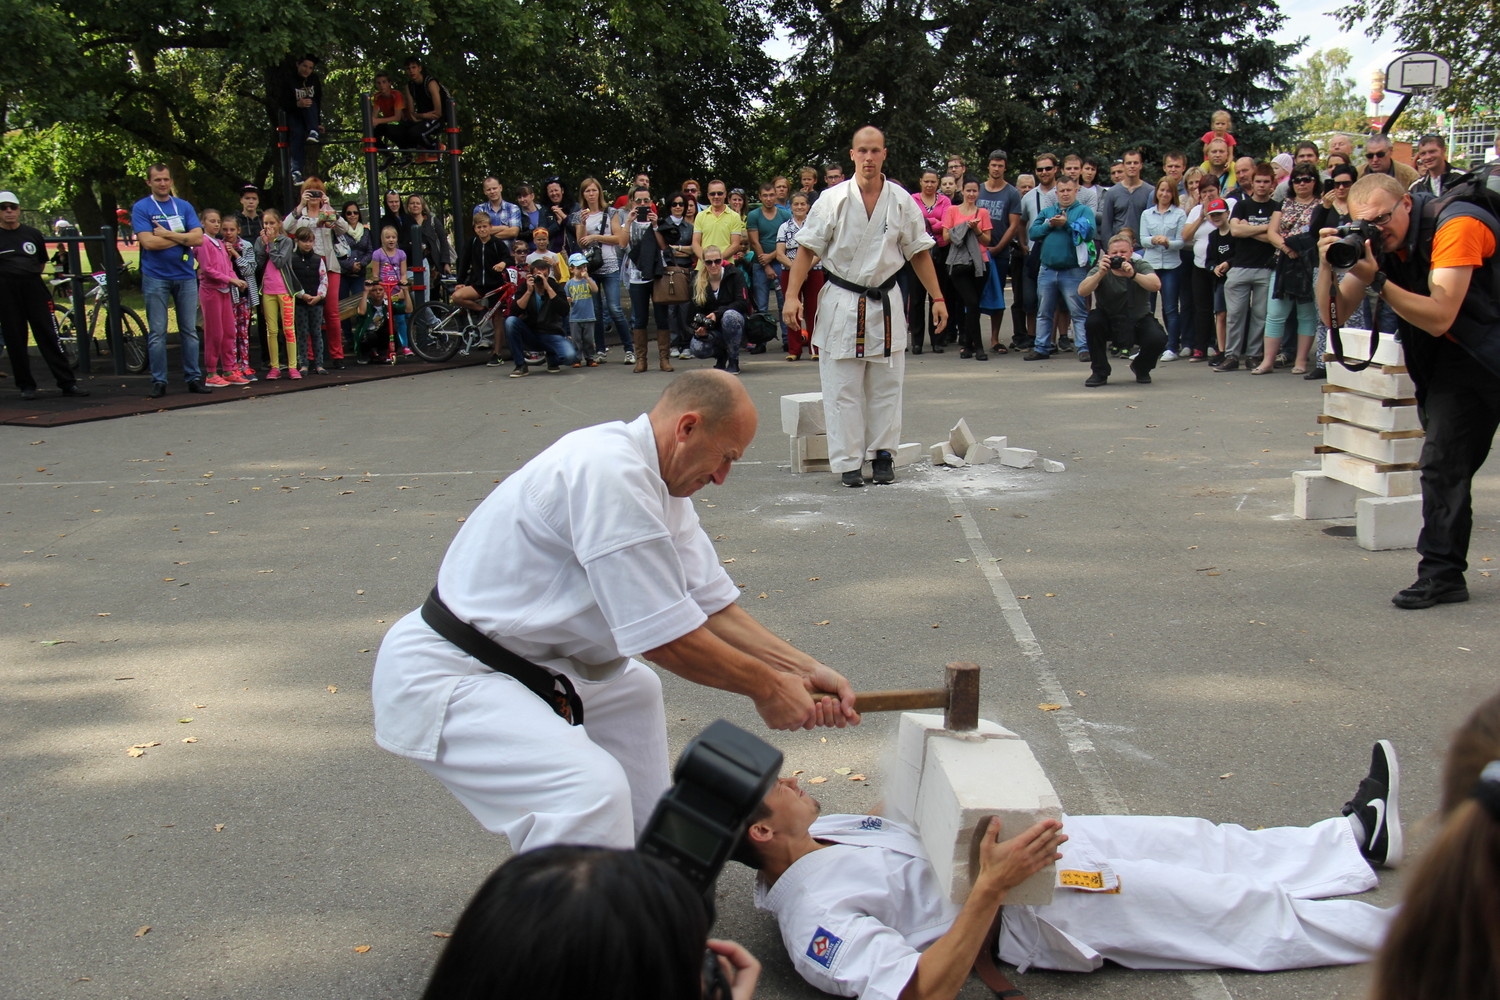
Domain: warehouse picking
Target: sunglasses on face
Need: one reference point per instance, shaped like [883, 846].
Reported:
[1376, 156]
[716, 194]
[715, 262]
[1343, 184]
[1302, 180]
[678, 204]
[1045, 170]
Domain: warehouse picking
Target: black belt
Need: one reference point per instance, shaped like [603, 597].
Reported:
[878, 293]
[555, 689]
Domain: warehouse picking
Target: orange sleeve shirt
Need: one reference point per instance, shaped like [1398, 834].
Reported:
[1462, 242]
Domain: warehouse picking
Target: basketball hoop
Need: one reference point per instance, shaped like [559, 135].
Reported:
[1417, 73]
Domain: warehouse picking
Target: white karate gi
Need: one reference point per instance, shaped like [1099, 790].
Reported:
[577, 562]
[1191, 895]
[861, 395]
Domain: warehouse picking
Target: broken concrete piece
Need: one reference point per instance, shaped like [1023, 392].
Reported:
[961, 438]
[1049, 465]
[1018, 458]
[997, 442]
[952, 458]
[935, 452]
[979, 454]
[802, 414]
[907, 453]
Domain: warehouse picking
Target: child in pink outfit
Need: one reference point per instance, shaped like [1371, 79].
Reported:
[215, 278]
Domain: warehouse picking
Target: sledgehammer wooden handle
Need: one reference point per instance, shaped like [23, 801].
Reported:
[959, 700]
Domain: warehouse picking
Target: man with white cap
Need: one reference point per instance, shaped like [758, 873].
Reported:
[23, 302]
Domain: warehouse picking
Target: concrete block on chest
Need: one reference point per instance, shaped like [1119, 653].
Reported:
[904, 766]
[965, 781]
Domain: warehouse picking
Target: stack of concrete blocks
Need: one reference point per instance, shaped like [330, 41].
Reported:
[964, 448]
[946, 784]
[802, 422]
[1372, 441]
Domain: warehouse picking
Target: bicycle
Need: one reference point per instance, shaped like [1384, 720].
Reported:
[439, 330]
[132, 329]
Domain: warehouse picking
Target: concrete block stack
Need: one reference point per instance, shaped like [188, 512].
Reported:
[802, 423]
[1372, 441]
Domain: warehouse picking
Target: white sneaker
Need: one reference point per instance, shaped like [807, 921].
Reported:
[1168, 356]
[676, 352]
[630, 357]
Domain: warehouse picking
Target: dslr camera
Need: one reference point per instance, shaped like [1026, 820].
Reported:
[700, 322]
[1351, 245]
[721, 777]
[1115, 263]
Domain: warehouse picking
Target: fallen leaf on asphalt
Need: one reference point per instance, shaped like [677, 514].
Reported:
[1226, 774]
[825, 621]
[822, 739]
[190, 739]
[1024, 597]
[1049, 595]
[763, 594]
[197, 705]
[97, 614]
[1048, 706]
[145, 929]
[728, 561]
[816, 781]
[798, 771]
[168, 579]
[145, 746]
[810, 579]
[333, 689]
[1081, 694]
[1213, 572]
[185, 719]
[135, 752]
[265, 571]
[936, 625]
[857, 777]
[54, 642]
[961, 560]
[360, 949]
[360, 592]
[441, 934]
[843, 770]
[1191, 547]
[218, 828]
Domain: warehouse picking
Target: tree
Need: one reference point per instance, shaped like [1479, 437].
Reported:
[1322, 98]
[1465, 32]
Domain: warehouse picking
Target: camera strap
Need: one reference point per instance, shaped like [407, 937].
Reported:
[555, 689]
[878, 293]
[1337, 341]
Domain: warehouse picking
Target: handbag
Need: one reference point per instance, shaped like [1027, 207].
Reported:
[673, 286]
[595, 254]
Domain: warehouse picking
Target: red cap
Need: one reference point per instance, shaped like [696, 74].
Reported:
[1217, 205]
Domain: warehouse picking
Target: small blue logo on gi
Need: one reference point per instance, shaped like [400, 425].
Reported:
[871, 823]
[824, 947]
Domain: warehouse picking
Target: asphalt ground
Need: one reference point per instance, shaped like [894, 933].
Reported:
[209, 586]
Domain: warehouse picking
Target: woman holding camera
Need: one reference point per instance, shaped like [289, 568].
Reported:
[719, 326]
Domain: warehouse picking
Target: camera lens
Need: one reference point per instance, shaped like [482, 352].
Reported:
[1346, 252]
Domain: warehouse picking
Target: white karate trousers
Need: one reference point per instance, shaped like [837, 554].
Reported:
[861, 406]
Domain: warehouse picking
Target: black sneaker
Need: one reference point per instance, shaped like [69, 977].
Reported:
[494, 362]
[196, 385]
[1216, 359]
[1428, 591]
[1065, 344]
[981, 356]
[937, 348]
[1034, 355]
[852, 478]
[520, 371]
[74, 390]
[884, 471]
[158, 390]
[1095, 381]
[30, 394]
[965, 354]
[1229, 364]
[1144, 378]
[1376, 804]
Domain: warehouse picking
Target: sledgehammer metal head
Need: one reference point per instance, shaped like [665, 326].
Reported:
[959, 700]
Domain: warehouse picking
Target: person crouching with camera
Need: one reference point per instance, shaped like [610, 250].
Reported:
[1121, 315]
[1422, 259]
[718, 326]
[539, 317]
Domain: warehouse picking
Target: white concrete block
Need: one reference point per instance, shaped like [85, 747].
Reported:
[1366, 475]
[978, 454]
[963, 783]
[1018, 458]
[1382, 523]
[1377, 446]
[937, 452]
[1051, 465]
[907, 453]
[1367, 411]
[803, 454]
[961, 438]
[1357, 348]
[952, 459]
[814, 446]
[1373, 381]
[802, 414]
[1316, 497]
[902, 765]
[999, 442]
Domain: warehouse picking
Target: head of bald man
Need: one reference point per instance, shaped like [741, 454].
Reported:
[703, 423]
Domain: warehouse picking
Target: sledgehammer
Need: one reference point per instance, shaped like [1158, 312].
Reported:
[959, 700]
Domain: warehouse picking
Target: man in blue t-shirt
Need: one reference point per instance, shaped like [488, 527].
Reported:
[1003, 202]
[167, 228]
[761, 228]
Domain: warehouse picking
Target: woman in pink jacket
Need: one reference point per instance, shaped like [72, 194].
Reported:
[216, 276]
[933, 205]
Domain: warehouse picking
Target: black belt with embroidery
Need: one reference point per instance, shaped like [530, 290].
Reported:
[879, 294]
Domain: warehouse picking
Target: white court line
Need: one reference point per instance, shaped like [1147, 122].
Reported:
[197, 478]
[1202, 985]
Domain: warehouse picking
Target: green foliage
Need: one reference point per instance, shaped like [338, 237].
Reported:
[1322, 98]
[1465, 32]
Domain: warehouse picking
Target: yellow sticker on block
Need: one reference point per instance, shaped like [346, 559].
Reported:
[1080, 880]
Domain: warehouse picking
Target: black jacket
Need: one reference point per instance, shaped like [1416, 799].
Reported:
[544, 315]
[731, 294]
[477, 269]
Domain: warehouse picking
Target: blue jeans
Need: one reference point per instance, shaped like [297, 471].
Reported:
[299, 122]
[1173, 320]
[611, 312]
[520, 336]
[160, 294]
[760, 291]
[1050, 284]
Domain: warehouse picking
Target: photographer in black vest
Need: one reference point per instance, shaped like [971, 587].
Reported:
[1434, 264]
[23, 301]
